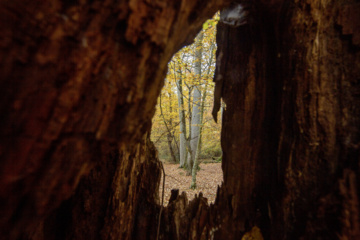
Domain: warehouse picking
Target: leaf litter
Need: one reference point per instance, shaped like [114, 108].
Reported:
[207, 181]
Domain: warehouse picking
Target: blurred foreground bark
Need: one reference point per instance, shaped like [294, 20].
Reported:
[79, 83]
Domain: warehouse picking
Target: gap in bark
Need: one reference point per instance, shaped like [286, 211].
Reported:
[183, 128]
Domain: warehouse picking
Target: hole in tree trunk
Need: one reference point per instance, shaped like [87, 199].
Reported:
[184, 132]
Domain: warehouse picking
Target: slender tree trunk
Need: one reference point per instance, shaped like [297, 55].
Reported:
[198, 149]
[168, 129]
[171, 149]
[170, 132]
[181, 108]
[196, 102]
[189, 159]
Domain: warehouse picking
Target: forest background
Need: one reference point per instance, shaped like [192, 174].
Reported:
[183, 128]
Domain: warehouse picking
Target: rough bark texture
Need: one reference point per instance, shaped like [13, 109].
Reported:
[79, 83]
[290, 81]
[318, 149]
[245, 78]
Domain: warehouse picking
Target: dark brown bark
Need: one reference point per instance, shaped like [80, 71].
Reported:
[79, 83]
[318, 146]
[290, 81]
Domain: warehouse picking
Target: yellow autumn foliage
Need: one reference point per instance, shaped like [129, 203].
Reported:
[167, 120]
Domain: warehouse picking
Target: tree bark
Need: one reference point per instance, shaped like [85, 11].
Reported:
[80, 79]
[79, 84]
[168, 129]
[291, 123]
[198, 145]
[181, 108]
[196, 102]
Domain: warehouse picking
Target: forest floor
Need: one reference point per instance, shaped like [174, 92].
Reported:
[207, 181]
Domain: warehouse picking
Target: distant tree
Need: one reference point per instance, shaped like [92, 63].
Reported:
[169, 128]
[189, 76]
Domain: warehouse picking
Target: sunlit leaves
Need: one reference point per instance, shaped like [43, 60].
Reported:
[182, 65]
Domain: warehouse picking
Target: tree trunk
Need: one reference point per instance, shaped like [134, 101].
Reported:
[170, 137]
[168, 129]
[181, 119]
[198, 145]
[291, 124]
[189, 159]
[79, 86]
[196, 101]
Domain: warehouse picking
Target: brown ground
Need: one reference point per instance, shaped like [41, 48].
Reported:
[207, 180]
